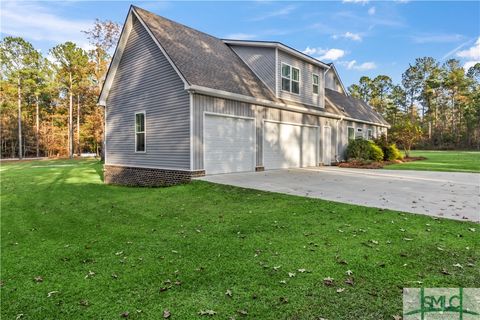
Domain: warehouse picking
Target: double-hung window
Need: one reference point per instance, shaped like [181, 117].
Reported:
[351, 133]
[290, 79]
[140, 132]
[315, 83]
[369, 134]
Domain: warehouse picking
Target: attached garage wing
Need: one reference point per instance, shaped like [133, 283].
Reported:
[289, 145]
[229, 144]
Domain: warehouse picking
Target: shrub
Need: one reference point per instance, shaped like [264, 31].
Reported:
[391, 153]
[376, 153]
[364, 149]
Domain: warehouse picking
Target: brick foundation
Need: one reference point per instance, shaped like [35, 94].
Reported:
[145, 177]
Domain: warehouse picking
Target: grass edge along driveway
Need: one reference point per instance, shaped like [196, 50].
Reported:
[450, 161]
[73, 247]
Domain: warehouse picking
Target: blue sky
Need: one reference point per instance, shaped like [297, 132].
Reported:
[361, 37]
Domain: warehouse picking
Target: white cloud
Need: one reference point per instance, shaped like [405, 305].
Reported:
[472, 55]
[241, 36]
[371, 11]
[472, 52]
[325, 54]
[348, 35]
[437, 38]
[276, 13]
[35, 22]
[470, 64]
[356, 1]
[352, 65]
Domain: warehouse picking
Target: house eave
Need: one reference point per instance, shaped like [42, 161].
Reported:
[278, 45]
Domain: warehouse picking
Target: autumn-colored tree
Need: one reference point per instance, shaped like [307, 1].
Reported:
[406, 133]
[72, 66]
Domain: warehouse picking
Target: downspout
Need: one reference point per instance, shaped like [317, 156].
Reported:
[337, 155]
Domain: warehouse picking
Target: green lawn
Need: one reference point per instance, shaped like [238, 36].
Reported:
[74, 248]
[461, 161]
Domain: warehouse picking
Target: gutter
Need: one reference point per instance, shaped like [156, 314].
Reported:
[257, 101]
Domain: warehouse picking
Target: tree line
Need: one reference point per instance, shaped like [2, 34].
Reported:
[436, 106]
[49, 102]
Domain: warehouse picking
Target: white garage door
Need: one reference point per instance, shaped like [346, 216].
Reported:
[229, 144]
[289, 146]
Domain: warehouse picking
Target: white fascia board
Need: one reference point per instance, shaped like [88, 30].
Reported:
[257, 101]
[338, 77]
[162, 49]
[117, 57]
[280, 46]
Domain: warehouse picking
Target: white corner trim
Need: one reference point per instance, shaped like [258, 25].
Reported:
[276, 72]
[191, 130]
[117, 56]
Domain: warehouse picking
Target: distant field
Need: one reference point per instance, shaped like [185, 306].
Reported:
[460, 161]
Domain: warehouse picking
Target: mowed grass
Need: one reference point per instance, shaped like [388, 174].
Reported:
[105, 250]
[461, 161]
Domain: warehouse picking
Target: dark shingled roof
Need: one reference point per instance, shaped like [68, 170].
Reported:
[204, 60]
[207, 61]
[353, 108]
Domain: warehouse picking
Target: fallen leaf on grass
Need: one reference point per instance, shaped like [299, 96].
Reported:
[276, 268]
[38, 279]
[328, 281]
[283, 300]
[119, 253]
[349, 272]
[471, 229]
[349, 281]
[458, 265]
[340, 290]
[124, 314]
[283, 281]
[291, 274]
[445, 271]
[19, 316]
[229, 293]
[51, 293]
[407, 239]
[84, 303]
[301, 270]
[242, 312]
[397, 317]
[166, 314]
[207, 313]
[90, 274]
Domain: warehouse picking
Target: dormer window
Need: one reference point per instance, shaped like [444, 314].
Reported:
[290, 79]
[315, 84]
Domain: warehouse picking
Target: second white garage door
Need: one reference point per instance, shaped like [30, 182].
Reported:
[229, 144]
[289, 145]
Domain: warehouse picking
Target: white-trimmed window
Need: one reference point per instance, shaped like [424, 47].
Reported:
[359, 133]
[315, 83]
[140, 139]
[351, 133]
[290, 79]
[369, 134]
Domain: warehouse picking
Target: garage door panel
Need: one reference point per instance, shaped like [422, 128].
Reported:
[289, 145]
[229, 144]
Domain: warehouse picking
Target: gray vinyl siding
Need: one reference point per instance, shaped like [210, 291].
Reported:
[261, 61]
[145, 81]
[343, 134]
[306, 82]
[331, 81]
[202, 104]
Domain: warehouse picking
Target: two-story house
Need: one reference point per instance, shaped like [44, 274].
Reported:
[180, 103]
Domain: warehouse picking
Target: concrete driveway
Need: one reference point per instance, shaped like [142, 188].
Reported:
[444, 194]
